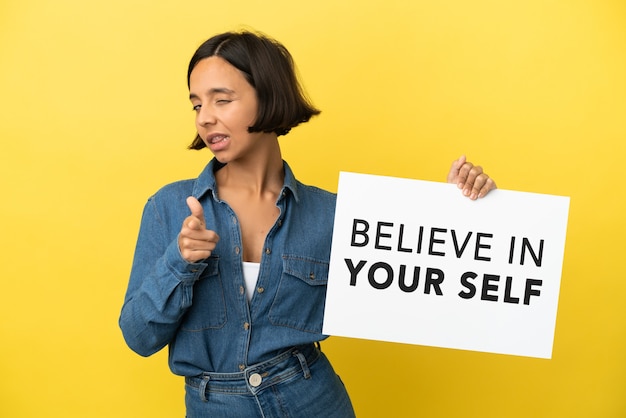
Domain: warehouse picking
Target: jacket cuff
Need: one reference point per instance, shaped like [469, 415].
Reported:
[186, 272]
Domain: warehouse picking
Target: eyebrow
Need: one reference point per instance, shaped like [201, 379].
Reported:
[214, 90]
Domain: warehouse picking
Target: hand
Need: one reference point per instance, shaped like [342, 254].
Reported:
[195, 241]
[470, 178]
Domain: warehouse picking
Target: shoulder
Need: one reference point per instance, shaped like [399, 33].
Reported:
[169, 203]
[306, 191]
[181, 189]
[316, 191]
[174, 191]
[315, 201]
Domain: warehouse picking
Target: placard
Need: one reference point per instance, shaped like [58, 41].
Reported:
[417, 262]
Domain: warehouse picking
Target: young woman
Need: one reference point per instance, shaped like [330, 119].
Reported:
[230, 268]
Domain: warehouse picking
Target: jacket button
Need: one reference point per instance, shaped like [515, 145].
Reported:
[246, 326]
[255, 380]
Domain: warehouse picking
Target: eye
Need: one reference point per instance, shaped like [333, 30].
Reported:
[196, 107]
[223, 101]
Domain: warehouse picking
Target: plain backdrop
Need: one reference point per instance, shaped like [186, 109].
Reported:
[94, 118]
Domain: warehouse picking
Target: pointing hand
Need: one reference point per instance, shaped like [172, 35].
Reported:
[194, 240]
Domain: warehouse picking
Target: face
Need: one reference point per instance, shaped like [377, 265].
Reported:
[225, 105]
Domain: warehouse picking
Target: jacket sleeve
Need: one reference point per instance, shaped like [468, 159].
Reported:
[160, 288]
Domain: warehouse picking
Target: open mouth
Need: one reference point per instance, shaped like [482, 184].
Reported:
[216, 139]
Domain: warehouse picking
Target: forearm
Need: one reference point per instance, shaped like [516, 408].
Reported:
[157, 299]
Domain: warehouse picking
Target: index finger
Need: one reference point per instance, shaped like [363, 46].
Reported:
[196, 208]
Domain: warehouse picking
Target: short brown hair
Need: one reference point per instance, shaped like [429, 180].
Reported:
[268, 66]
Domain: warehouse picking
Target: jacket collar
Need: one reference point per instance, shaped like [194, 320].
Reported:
[205, 183]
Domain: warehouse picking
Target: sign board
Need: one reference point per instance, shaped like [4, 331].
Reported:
[417, 262]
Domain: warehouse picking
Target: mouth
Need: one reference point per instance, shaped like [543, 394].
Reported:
[217, 138]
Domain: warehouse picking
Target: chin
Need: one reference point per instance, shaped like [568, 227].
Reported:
[222, 158]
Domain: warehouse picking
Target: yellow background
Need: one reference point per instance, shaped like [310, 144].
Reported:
[94, 118]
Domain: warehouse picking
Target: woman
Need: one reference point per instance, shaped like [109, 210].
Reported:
[230, 269]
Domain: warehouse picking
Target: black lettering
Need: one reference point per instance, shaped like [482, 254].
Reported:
[354, 270]
[433, 241]
[372, 271]
[400, 248]
[459, 252]
[402, 283]
[507, 291]
[434, 278]
[511, 250]
[530, 291]
[480, 235]
[465, 282]
[536, 258]
[487, 278]
[362, 232]
[419, 240]
[380, 234]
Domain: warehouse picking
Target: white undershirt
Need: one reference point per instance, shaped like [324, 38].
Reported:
[250, 277]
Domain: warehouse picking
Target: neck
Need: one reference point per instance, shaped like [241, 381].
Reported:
[262, 173]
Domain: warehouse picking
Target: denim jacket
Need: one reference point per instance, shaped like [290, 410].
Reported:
[200, 309]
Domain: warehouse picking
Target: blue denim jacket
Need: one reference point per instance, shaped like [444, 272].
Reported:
[200, 309]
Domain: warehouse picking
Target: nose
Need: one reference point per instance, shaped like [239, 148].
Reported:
[205, 116]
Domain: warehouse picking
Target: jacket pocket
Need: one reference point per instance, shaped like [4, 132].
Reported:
[208, 307]
[301, 294]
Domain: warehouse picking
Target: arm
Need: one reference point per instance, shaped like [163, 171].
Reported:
[161, 283]
[471, 179]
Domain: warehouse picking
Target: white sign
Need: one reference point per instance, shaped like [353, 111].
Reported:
[417, 262]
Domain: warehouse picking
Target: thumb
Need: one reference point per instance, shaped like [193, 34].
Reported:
[196, 208]
[454, 169]
[459, 162]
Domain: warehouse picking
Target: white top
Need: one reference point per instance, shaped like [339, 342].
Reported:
[250, 277]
